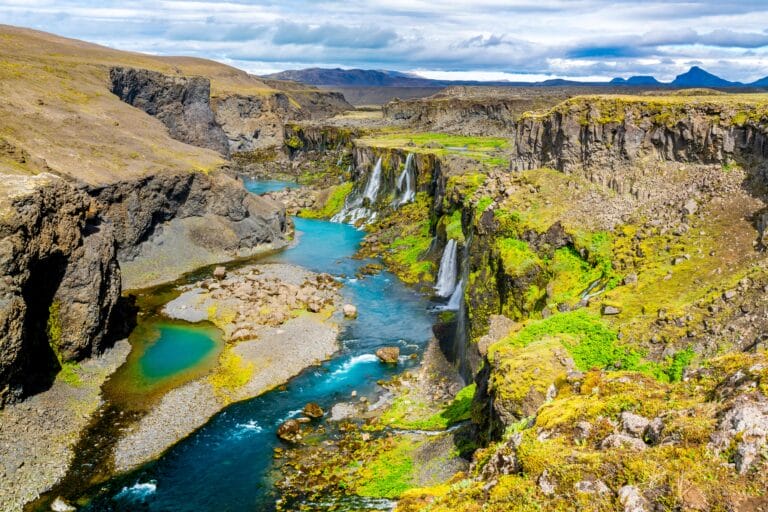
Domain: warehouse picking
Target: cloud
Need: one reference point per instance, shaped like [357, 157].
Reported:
[334, 35]
[545, 37]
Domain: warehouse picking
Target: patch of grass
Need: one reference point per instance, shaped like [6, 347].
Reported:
[333, 204]
[487, 150]
[390, 473]
[516, 255]
[231, 374]
[405, 413]
[70, 374]
[453, 229]
[590, 342]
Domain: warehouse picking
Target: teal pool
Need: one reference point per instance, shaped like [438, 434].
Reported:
[178, 349]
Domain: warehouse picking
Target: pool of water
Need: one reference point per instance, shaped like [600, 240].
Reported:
[178, 348]
[260, 187]
[226, 464]
[165, 354]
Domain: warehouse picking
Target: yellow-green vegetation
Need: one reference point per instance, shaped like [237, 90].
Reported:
[407, 412]
[466, 184]
[516, 256]
[486, 150]
[390, 473]
[231, 374]
[591, 344]
[333, 203]
[402, 240]
[70, 374]
[453, 228]
[680, 474]
[53, 326]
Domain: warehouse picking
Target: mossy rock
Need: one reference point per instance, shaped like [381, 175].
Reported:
[522, 377]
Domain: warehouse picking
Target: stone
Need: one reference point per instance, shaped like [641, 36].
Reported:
[654, 431]
[633, 424]
[622, 441]
[313, 410]
[582, 430]
[350, 311]
[631, 499]
[630, 278]
[729, 294]
[690, 207]
[60, 505]
[609, 310]
[592, 487]
[546, 486]
[388, 355]
[290, 431]
[746, 424]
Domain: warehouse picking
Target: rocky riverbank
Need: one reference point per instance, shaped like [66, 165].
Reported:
[37, 436]
[277, 321]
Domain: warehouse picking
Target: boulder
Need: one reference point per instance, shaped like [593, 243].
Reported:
[609, 310]
[388, 355]
[290, 431]
[633, 424]
[313, 410]
[746, 424]
[631, 499]
[622, 441]
[350, 311]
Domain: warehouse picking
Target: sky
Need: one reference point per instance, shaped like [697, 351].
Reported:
[466, 39]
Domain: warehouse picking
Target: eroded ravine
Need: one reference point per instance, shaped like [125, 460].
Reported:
[226, 464]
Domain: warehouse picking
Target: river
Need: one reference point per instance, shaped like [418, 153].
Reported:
[226, 464]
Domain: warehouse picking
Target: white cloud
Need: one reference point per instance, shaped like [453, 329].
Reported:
[570, 38]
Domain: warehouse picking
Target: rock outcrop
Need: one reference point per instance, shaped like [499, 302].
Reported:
[181, 103]
[214, 217]
[602, 135]
[60, 281]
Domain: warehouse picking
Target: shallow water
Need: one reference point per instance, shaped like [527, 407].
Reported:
[226, 464]
[178, 348]
[260, 187]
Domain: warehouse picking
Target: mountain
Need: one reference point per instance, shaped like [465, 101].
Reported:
[697, 77]
[636, 80]
[354, 78]
[694, 77]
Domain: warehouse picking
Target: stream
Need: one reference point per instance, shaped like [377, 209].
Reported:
[227, 464]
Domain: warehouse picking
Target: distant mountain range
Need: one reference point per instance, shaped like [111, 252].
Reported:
[694, 77]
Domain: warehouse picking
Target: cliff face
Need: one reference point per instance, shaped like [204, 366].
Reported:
[59, 268]
[181, 103]
[613, 134]
[186, 220]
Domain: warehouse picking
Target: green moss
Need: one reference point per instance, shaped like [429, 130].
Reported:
[516, 255]
[53, 326]
[332, 205]
[389, 474]
[678, 363]
[405, 413]
[571, 276]
[453, 229]
[231, 374]
[70, 373]
[294, 142]
[590, 342]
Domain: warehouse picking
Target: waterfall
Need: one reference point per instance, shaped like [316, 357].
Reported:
[406, 183]
[446, 276]
[457, 297]
[354, 210]
[374, 183]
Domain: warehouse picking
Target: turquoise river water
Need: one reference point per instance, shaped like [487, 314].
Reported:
[226, 465]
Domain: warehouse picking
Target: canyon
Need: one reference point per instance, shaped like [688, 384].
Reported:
[574, 281]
